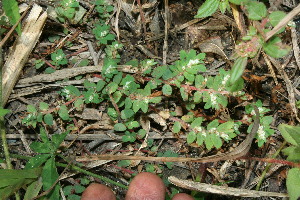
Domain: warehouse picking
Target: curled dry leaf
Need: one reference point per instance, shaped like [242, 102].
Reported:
[158, 119]
[212, 45]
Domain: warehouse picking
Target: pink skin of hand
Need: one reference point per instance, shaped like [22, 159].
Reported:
[144, 186]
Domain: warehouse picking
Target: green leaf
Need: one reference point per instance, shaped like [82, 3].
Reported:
[290, 133]
[191, 137]
[117, 96]
[78, 104]
[49, 173]
[293, 153]
[238, 69]
[136, 105]
[293, 183]
[39, 147]
[144, 106]
[91, 97]
[49, 70]
[128, 103]
[68, 190]
[33, 189]
[199, 82]
[127, 113]
[124, 163]
[189, 77]
[84, 181]
[226, 127]
[57, 139]
[197, 97]
[49, 176]
[63, 112]
[170, 153]
[167, 89]
[154, 100]
[208, 8]
[71, 91]
[100, 85]
[119, 127]
[184, 94]
[217, 142]
[132, 124]
[118, 77]
[59, 58]
[112, 113]
[213, 124]
[237, 2]
[48, 119]
[79, 188]
[159, 71]
[11, 10]
[111, 87]
[275, 17]
[129, 137]
[208, 142]
[176, 127]
[89, 85]
[187, 118]
[19, 174]
[197, 122]
[37, 161]
[141, 133]
[224, 5]
[238, 85]
[200, 139]
[44, 106]
[31, 108]
[39, 63]
[3, 112]
[44, 135]
[150, 168]
[12, 180]
[256, 10]
[275, 48]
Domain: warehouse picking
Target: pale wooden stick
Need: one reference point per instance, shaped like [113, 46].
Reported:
[21, 49]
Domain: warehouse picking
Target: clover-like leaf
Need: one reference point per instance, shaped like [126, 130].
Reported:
[119, 127]
[256, 10]
[167, 89]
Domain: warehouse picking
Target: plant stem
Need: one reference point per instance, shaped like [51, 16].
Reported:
[78, 169]
[268, 167]
[2, 128]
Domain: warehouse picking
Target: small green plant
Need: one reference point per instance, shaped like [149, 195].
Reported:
[43, 115]
[75, 191]
[42, 165]
[103, 9]
[292, 135]
[264, 130]
[102, 34]
[11, 10]
[39, 63]
[129, 96]
[67, 9]
[46, 153]
[254, 41]
[59, 58]
[4, 22]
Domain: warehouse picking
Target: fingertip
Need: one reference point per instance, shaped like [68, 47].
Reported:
[182, 196]
[146, 186]
[96, 191]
